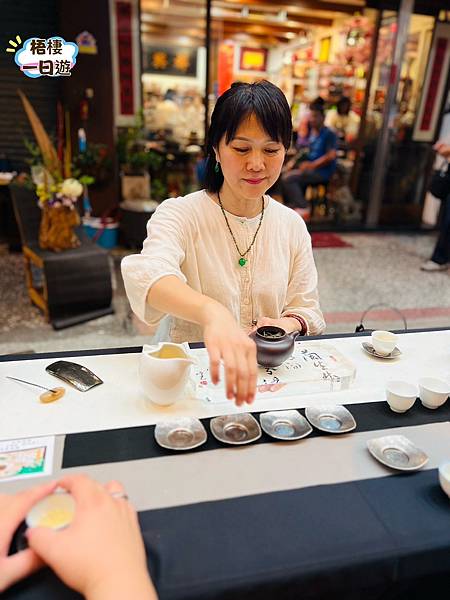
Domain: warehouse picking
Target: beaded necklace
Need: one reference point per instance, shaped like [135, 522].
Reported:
[242, 260]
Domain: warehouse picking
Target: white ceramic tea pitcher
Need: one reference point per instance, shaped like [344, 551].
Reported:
[164, 371]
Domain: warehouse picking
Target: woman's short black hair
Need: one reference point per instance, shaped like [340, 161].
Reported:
[263, 99]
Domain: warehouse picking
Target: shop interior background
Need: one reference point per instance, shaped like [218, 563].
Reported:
[142, 93]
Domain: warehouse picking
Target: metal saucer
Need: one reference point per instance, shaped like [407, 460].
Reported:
[285, 425]
[236, 429]
[183, 433]
[332, 418]
[397, 452]
[371, 350]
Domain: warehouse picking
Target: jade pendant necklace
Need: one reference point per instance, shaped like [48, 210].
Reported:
[242, 260]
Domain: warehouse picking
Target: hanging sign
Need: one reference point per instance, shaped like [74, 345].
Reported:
[125, 57]
[253, 59]
[434, 85]
[165, 60]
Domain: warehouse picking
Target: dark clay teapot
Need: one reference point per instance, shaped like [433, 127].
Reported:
[273, 345]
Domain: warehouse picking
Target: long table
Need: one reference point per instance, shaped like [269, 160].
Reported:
[317, 518]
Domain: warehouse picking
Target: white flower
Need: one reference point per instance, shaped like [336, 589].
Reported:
[72, 188]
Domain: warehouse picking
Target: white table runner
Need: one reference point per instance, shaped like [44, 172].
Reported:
[119, 402]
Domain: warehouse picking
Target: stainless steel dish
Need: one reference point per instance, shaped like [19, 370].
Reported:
[285, 425]
[332, 418]
[371, 350]
[183, 433]
[77, 375]
[397, 452]
[236, 429]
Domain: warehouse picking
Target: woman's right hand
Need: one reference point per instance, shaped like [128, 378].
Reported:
[226, 341]
[100, 554]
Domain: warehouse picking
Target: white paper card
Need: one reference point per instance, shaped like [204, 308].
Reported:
[25, 458]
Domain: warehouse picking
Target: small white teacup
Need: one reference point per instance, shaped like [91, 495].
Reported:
[383, 342]
[400, 395]
[433, 391]
[444, 477]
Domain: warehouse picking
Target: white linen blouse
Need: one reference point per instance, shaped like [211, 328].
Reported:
[188, 237]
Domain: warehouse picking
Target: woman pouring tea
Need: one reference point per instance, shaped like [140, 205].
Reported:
[229, 257]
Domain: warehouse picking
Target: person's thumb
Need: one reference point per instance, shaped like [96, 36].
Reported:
[41, 539]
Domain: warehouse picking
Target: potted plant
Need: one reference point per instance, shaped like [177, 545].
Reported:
[137, 161]
[93, 164]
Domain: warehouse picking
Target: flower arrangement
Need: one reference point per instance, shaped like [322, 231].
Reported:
[51, 194]
[56, 189]
[57, 200]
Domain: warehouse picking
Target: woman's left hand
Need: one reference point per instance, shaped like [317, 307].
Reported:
[286, 323]
[13, 510]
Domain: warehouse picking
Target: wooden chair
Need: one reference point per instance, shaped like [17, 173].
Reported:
[70, 287]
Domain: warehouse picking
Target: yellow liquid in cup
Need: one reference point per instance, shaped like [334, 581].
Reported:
[55, 511]
[169, 352]
[56, 518]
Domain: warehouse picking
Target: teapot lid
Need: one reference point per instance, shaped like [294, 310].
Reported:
[270, 333]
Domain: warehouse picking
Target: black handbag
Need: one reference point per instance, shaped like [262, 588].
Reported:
[440, 183]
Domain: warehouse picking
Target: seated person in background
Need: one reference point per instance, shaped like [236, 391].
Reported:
[304, 127]
[166, 114]
[317, 164]
[300, 148]
[343, 121]
[100, 554]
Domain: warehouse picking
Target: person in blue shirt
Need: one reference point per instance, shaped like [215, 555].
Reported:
[317, 164]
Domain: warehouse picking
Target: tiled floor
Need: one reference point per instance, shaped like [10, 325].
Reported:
[380, 270]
